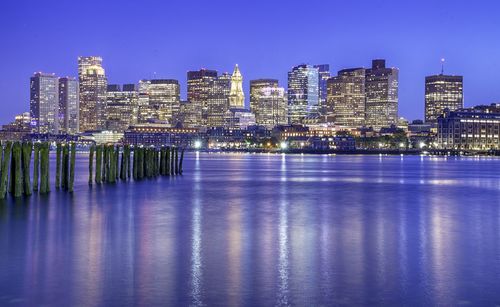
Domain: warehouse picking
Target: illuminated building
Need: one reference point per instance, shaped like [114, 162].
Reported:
[236, 95]
[268, 103]
[302, 92]
[442, 92]
[323, 76]
[159, 100]
[69, 106]
[44, 103]
[237, 118]
[472, 129]
[93, 85]
[160, 135]
[381, 87]
[18, 129]
[199, 88]
[121, 107]
[218, 100]
[346, 98]
[189, 115]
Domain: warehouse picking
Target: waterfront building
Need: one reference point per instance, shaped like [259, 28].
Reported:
[44, 103]
[163, 97]
[69, 106]
[442, 92]
[346, 98]
[160, 135]
[323, 76]
[268, 103]
[303, 90]
[189, 115]
[236, 95]
[469, 129]
[93, 86]
[199, 88]
[121, 107]
[381, 86]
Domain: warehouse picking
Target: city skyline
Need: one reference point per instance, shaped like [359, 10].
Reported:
[416, 51]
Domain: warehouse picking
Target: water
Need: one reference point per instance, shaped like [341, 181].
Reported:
[242, 229]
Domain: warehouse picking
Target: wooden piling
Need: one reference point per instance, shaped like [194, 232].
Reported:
[5, 169]
[26, 158]
[180, 162]
[91, 164]
[98, 164]
[36, 166]
[58, 165]
[72, 167]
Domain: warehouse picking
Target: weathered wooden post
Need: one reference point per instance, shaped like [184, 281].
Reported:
[27, 148]
[44, 168]
[140, 157]
[123, 165]
[98, 164]
[91, 164]
[72, 167]
[58, 165]
[105, 163]
[65, 166]
[127, 149]
[5, 169]
[182, 159]
[117, 160]
[172, 161]
[136, 166]
[167, 161]
[36, 166]
[17, 178]
[176, 160]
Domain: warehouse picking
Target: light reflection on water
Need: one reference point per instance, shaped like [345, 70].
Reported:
[241, 229]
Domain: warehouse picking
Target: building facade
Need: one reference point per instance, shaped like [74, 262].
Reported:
[268, 103]
[469, 129]
[160, 100]
[93, 94]
[323, 76]
[303, 92]
[121, 107]
[346, 98]
[69, 105]
[218, 100]
[199, 88]
[381, 88]
[44, 103]
[442, 92]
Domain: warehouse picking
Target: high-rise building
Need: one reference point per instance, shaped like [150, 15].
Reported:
[218, 100]
[199, 84]
[189, 115]
[236, 95]
[121, 107]
[69, 106]
[346, 97]
[442, 92]
[160, 100]
[268, 103]
[44, 103]
[303, 90]
[381, 88]
[93, 85]
[323, 76]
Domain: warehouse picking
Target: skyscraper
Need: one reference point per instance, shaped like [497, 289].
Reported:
[268, 103]
[323, 76]
[199, 84]
[218, 100]
[303, 90]
[121, 107]
[381, 95]
[163, 99]
[236, 95]
[346, 96]
[442, 92]
[69, 106]
[93, 84]
[44, 103]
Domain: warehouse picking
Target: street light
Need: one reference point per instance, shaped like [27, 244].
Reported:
[283, 145]
[197, 144]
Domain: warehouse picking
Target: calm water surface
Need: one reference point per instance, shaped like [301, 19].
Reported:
[242, 229]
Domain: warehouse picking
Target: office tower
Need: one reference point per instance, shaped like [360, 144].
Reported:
[381, 88]
[323, 76]
[121, 107]
[218, 100]
[346, 97]
[93, 84]
[268, 103]
[199, 84]
[442, 92]
[163, 100]
[302, 92]
[69, 106]
[236, 95]
[44, 103]
[189, 115]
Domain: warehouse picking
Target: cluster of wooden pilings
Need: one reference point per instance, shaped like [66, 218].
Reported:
[15, 167]
[146, 162]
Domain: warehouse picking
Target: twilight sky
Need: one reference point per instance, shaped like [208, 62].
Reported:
[148, 38]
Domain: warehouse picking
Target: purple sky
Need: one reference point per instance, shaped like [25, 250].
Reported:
[140, 38]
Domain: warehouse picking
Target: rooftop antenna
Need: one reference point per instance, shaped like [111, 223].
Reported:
[442, 66]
